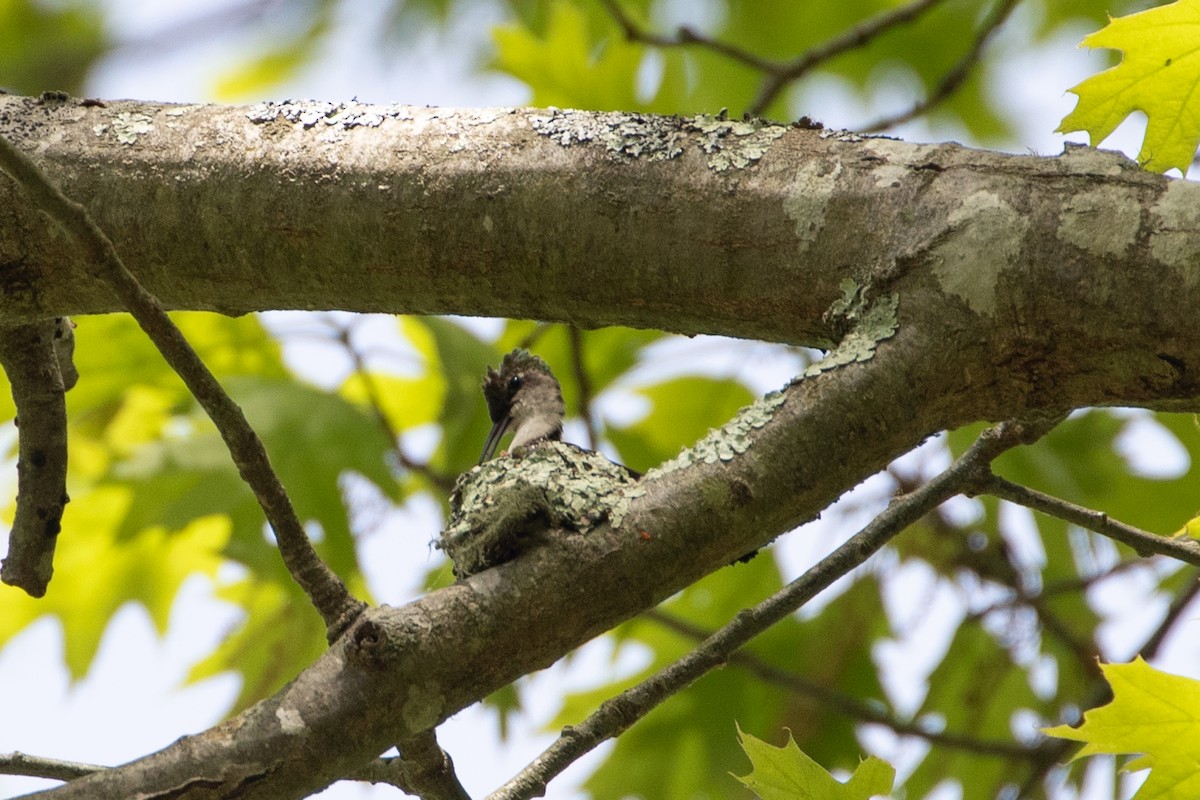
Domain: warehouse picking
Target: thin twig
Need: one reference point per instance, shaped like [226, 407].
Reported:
[343, 335]
[616, 715]
[777, 74]
[844, 704]
[957, 74]
[1143, 542]
[686, 36]
[50, 768]
[38, 378]
[584, 382]
[1055, 750]
[856, 36]
[327, 592]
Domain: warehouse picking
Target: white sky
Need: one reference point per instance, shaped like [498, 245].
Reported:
[132, 703]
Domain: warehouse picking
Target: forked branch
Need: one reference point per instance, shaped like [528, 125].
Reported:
[617, 714]
[326, 591]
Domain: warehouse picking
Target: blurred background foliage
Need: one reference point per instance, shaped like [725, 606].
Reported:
[1024, 599]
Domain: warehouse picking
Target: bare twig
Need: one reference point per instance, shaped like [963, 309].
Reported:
[848, 706]
[1179, 604]
[856, 36]
[584, 382]
[957, 74]
[443, 482]
[36, 356]
[686, 36]
[777, 74]
[617, 714]
[1054, 751]
[49, 768]
[1144, 543]
[326, 591]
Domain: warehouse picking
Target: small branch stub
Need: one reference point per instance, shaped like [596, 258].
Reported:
[37, 357]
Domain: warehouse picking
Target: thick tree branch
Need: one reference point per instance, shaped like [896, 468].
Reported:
[327, 592]
[1019, 286]
[1037, 265]
[617, 714]
[36, 357]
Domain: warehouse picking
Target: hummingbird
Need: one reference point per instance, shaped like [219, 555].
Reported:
[524, 397]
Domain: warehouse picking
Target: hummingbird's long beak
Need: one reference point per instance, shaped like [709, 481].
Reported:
[493, 439]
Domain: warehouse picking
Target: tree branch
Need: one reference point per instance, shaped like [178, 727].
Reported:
[37, 359]
[428, 770]
[957, 74]
[617, 714]
[443, 482]
[856, 36]
[326, 591]
[778, 74]
[1143, 542]
[848, 706]
[50, 768]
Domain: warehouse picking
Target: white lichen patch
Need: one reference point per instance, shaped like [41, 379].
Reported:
[128, 127]
[869, 324]
[1103, 221]
[734, 143]
[724, 443]
[290, 720]
[621, 135]
[730, 144]
[985, 235]
[498, 506]
[336, 116]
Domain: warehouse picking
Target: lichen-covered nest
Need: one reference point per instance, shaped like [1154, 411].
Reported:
[502, 506]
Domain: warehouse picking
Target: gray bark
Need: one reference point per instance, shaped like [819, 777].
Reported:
[1024, 286]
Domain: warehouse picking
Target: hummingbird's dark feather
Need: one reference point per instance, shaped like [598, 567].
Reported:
[525, 396]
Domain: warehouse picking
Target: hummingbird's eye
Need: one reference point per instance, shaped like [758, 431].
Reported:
[514, 383]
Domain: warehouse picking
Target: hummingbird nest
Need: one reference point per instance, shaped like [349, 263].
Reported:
[501, 507]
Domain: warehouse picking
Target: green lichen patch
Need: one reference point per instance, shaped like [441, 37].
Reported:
[731, 439]
[502, 506]
[866, 324]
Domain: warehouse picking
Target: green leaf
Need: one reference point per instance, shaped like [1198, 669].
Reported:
[313, 438]
[1153, 714]
[564, 65]
[280, 635]
[1158, 75]
[49, 46]
[786, 773]
[975, 690]
[277, 63]
[831, 650]
[96, 572]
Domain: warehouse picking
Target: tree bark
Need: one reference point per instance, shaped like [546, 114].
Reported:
[1023, 286]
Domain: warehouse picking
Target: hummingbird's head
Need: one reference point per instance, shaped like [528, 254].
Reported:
[524, 397]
